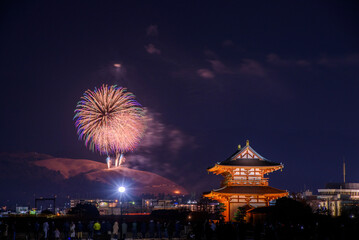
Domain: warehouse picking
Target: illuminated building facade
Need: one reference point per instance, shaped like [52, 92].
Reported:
[336, 197]
[244, 184]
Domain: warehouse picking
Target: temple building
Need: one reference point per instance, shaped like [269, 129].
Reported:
[244, 184]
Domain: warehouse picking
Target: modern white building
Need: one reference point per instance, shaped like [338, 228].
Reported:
[335, 197]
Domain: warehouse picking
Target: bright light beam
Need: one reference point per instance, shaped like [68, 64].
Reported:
[121, 189]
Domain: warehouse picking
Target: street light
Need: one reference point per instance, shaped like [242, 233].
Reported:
[121, 190]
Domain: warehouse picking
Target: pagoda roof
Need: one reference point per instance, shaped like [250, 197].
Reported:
[247, 156]
[255, 190]
[254, 162]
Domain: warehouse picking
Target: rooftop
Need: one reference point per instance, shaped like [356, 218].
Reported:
[342, 186]
[259, 190]
[247, 156]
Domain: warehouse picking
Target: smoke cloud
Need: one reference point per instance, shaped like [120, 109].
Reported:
[160, 148]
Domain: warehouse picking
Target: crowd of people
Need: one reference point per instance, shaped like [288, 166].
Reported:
[172, 229]
[94, 229]
[117, 229]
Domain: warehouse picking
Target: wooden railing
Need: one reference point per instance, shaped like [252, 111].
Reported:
[248, 182]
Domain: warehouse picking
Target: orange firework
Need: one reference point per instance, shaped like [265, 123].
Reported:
[110, 120]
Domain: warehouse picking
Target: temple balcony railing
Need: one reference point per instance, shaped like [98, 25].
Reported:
[248, 182]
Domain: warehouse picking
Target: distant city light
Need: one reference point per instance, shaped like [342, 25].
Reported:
[177, 192]
[117, 65]
[121, 189]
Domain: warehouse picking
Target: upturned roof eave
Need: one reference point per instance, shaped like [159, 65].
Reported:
[212, 169]
[213, 193]
[248, 189]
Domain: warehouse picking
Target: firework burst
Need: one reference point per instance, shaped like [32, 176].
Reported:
[109, 120]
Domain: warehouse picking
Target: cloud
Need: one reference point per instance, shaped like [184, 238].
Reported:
[151, 49]
[274, 59]
[302, 63]
[160, 147]
[346, 60]
[153, 136]
[329, 61]
[219, 67]
[227, 43]
[247, 67]
[178, 140]
[152, 30]
[210, 54]
[252, 68]
[205, 73]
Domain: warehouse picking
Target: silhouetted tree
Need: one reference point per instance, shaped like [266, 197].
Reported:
[240, 214]
[85, 210]
[351, 211]
[46, 212]
[289, 210]
[219, 210]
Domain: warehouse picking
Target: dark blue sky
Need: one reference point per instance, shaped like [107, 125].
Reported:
[282, 74]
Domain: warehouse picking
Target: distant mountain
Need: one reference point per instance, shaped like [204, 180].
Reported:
[29, 156]
[25, 176]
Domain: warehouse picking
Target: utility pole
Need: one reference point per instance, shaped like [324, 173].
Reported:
[344, 169]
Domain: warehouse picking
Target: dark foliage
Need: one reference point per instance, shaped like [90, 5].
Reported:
[169, 215]
[288, 210]
[84, 210]
[46, 212]
[351, 211]
[240, 214]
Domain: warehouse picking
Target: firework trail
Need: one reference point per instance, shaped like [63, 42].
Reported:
[110, 121]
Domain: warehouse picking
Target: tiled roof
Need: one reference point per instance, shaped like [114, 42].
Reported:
[242, 158]
[248, 162]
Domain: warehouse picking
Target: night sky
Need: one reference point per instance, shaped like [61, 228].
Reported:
[283, 74]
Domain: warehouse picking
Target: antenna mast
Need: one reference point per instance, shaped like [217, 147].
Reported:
[344, 168]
